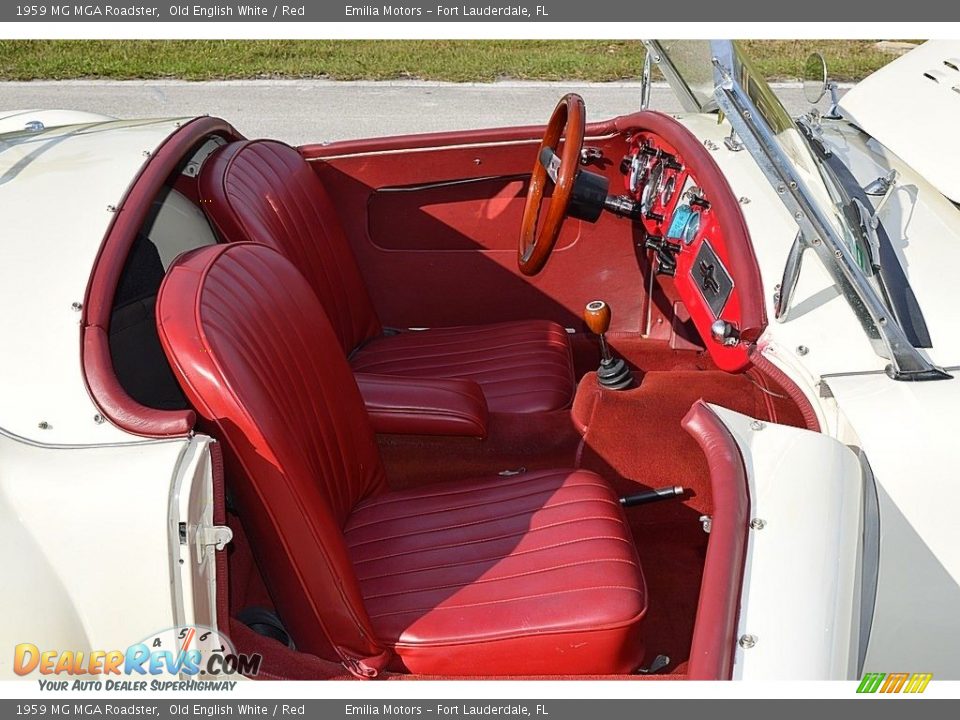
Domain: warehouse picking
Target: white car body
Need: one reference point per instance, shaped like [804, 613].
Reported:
[94, 512]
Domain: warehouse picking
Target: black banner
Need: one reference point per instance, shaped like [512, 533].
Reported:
[568, 11]
[164, 709]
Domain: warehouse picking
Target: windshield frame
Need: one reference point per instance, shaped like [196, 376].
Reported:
[759, 119]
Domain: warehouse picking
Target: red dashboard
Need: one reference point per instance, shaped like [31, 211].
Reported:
[695, 228]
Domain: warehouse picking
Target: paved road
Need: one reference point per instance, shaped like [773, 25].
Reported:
[300, 111]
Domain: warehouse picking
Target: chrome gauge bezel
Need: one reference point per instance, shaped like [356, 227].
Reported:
[653, 188]
[691, 227]
[638, 167]
[669, 189]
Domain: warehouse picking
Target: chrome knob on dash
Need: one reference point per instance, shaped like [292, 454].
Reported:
[725, 333]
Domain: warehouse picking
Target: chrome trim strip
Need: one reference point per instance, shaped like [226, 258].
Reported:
[870, 564]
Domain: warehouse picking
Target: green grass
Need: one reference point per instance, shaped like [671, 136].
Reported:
[453, 60]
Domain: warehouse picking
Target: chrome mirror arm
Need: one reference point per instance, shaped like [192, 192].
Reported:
[834, 112]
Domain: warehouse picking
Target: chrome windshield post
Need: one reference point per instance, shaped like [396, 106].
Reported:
[816, 227]
[645, 81]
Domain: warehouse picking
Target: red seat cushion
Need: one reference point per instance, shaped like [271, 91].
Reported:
[522, 367]
[534, 574]
[264, 191]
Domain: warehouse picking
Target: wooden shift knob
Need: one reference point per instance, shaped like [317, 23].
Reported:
[597, 316]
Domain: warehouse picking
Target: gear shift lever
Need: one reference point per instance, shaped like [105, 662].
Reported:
[613, 372]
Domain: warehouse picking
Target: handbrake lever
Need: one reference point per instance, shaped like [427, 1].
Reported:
[655, 495]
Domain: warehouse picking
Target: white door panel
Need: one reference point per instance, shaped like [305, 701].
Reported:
[800, 600]
[89, 539]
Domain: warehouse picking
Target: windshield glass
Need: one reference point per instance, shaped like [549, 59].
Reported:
[692, 60]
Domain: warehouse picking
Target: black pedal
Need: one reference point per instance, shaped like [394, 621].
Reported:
[658, 664]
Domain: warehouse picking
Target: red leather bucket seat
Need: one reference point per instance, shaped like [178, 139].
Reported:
[533, 574]
[264, 191]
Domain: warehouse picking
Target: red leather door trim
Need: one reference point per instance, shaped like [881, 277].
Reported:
[712, 648]
[106, 392]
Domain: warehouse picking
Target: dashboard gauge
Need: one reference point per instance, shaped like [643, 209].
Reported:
[637, 168]
[669, 187]
[652, 189]
[691, 228]
[684, 225]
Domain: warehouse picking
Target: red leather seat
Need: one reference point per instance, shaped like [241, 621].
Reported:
[264, 191]
[534, 574]
[521, 366]
[496, 576]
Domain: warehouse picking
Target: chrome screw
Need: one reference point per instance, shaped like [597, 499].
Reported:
[43, 425]
[802, 350]
[758, 524]
[747, 641]
[99, 419]
[756, 425]
[76, 307]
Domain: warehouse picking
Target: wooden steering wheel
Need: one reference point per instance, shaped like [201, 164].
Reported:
[568, 121]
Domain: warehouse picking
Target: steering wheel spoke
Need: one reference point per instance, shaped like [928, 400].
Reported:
[551, 163]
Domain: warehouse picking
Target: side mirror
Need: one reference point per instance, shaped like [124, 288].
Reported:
[816, 83]
[814, 78]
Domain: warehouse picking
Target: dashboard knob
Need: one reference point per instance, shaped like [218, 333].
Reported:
[725, 333]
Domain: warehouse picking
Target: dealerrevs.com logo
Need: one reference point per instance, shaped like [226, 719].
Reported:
[191, 657]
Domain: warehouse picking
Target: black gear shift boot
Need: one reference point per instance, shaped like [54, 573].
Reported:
[614, 374]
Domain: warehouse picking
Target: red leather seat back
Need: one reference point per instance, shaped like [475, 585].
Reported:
[257, 358]
[264, 191]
